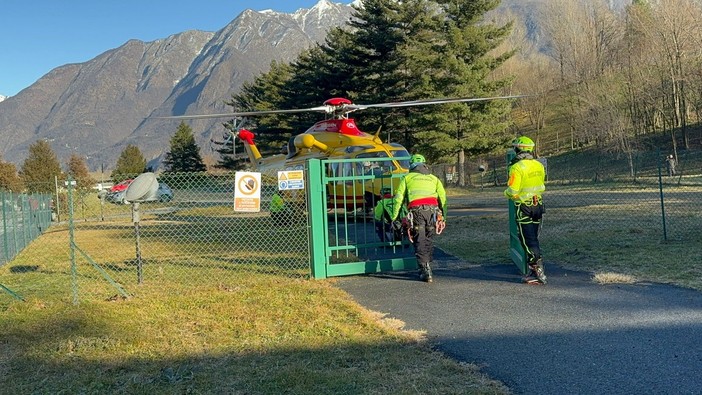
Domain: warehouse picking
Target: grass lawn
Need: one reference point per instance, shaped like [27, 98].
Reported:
[209, 328]
[245, 333]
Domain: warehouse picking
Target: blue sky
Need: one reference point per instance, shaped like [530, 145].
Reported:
[37, 36]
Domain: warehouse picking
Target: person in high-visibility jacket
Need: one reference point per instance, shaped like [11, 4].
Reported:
[525, 187]
[385, 227]
[278, 210]
[426, 203]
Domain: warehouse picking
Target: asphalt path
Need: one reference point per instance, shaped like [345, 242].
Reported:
[572, 336]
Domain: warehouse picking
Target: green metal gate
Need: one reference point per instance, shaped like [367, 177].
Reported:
[341, 198]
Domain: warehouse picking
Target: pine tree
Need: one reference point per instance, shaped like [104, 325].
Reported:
[78, 171]
[131, 163]
[9, 179]
[40, 168]
[409, 50]
[184, 155]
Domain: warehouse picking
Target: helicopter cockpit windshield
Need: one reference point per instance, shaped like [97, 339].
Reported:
[376, 168]
[398, 151]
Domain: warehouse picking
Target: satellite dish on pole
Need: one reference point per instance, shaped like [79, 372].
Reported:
[142, 188]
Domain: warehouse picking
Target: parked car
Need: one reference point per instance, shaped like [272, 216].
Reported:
[121, 186]
[163, 194]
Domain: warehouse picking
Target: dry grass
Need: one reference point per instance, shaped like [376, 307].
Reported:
[243, 332]
[613, 278]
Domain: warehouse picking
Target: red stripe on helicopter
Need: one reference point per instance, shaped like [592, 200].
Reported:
[343, 126]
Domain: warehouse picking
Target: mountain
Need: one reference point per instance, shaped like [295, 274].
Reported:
[97, 107]
[2, 97]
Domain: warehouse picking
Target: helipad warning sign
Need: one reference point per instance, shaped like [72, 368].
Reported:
[291, 179]
[247, 192]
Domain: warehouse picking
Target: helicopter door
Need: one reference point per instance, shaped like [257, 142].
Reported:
[342, 191]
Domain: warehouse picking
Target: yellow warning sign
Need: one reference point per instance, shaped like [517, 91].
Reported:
[291, 179]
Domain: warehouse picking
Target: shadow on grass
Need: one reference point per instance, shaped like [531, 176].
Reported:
[75, 353]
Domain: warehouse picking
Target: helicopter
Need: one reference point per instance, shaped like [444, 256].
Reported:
[337, 137]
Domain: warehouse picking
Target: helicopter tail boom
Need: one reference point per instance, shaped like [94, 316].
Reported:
[246, 137]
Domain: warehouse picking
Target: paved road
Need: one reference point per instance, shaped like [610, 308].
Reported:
[572, 336]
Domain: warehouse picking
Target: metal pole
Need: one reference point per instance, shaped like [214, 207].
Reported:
[74, 268]
[135, 219]
[58, 211]
[102, 187]
[660, 188]
[4, 228]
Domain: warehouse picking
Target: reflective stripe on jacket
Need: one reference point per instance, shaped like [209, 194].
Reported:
[418, 187]
[526, 180]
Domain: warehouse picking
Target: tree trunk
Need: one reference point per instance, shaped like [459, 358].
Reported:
[461, 168]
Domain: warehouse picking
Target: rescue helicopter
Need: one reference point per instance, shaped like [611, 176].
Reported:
[337, 137]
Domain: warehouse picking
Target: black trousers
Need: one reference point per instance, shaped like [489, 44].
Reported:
[423, 230]
[528, 219]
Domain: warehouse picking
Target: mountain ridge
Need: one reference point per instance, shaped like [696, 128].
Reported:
[96, 108]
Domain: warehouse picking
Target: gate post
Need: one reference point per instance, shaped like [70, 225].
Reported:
[316, 214]
[516, 252]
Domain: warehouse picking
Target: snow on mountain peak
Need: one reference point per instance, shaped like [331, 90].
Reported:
[322, 5]
[2, 97]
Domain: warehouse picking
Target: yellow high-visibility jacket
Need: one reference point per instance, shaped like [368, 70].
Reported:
[420, 189]
[526, 180]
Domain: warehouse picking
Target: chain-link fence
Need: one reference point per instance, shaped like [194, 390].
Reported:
[24, 218]
[683, 168]
[597, 219]
[191, 235]
[188, 235]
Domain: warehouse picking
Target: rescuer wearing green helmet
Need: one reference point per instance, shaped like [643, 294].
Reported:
[525, 187]
[426, 202]
[278, 210]
[385, 227]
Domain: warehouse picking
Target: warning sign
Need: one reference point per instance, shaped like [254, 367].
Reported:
[247, 192]
[291, 179]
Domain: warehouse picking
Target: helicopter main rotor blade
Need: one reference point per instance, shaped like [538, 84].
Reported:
[326, 109]
[340, 110]
[412, 103]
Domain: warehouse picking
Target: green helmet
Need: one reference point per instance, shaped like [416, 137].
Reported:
[417, 158]
[523, 143]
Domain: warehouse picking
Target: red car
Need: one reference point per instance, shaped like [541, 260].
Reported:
[122, 186]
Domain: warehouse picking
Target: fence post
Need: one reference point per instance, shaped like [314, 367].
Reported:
[74, 269]
[58, 208]
[4, 228]
[660, 189]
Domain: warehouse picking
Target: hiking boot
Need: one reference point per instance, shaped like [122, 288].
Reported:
[425, 273]
[538, 269]
[428, 277]
[531, 277]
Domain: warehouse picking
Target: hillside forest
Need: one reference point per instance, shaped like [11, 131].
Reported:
[614, 80]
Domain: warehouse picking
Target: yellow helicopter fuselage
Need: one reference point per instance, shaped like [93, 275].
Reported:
[362, 179]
